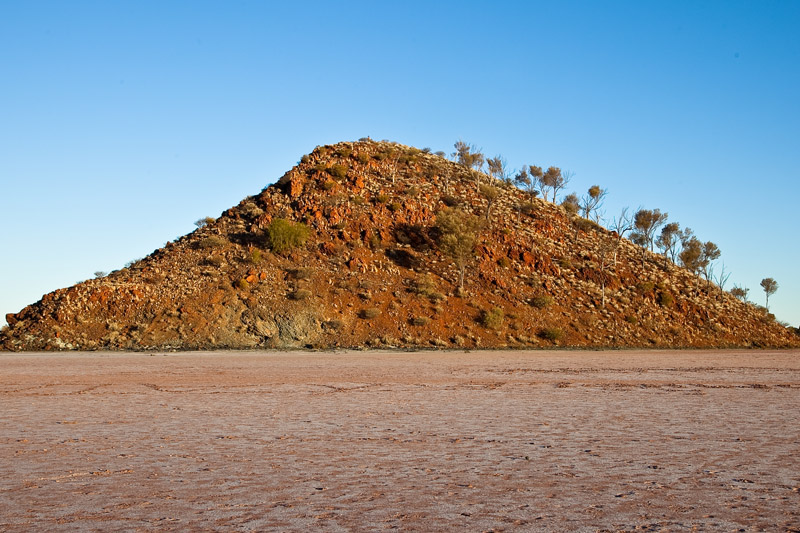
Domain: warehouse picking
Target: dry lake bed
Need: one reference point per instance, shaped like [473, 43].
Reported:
[425, 441]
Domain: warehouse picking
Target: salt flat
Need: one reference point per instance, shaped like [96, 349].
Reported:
[427, 441]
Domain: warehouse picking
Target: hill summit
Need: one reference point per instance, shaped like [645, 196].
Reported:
[378, 244]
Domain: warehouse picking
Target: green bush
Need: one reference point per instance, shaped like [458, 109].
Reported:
[255, 257]
[645, 287]
[552, 334]
[284, 235]
[338, 171]
[242, 284]
[542, 301]
[382, 198]
[328, 185]
[493, 318]
[665, 299]
[504, 262]
[213, 241]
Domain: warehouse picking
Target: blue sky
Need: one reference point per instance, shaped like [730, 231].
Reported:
[121, 123]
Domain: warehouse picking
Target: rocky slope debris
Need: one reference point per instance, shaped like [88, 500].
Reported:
[345, 251]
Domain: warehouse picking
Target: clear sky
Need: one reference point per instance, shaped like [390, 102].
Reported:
[123, 122]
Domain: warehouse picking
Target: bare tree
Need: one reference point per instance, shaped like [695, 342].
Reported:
[592, 201]
[770, 286]
[620, 226]
[722, 278]
[491, 194]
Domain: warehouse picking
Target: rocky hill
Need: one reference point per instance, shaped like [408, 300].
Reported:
[368, 268]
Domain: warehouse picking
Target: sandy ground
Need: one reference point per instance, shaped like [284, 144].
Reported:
[434, 441]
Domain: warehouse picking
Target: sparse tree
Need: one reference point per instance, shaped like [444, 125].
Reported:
[556, 180]
[458, 235]
[691, 254]
[490, 193]
[537, 185]
[100, 274]
[770, 286]
[740, 292]
[522, 180]
[468, 155]
[668, 240]
[592, 201]
[498, 168]
[570, 204]
[709, 254]
[646, 222]
[203, 222]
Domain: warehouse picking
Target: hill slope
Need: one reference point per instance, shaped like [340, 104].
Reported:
[373, 273]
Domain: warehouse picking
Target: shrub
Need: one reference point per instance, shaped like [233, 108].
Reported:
[450, 200]
[338, 171]
[541, 301]
[394, 206]
[382, 198]
[242, 284]
[504, 262]
[374, 241]
[302, 273]
[300, 294]
[369, 313]
[255, 257]
[412, 192]
[305, 159]
[420, 321]
[344, 151]
[665, 299]
[493, 318]
[333, 325]
[204, 222]
[630, 319]
[645, 288]
[552, 334]
[213, 260]
[328, 185]
[362, 157]
[284, 235]
[213, 241]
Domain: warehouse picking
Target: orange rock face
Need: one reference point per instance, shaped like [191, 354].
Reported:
[371, 271]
